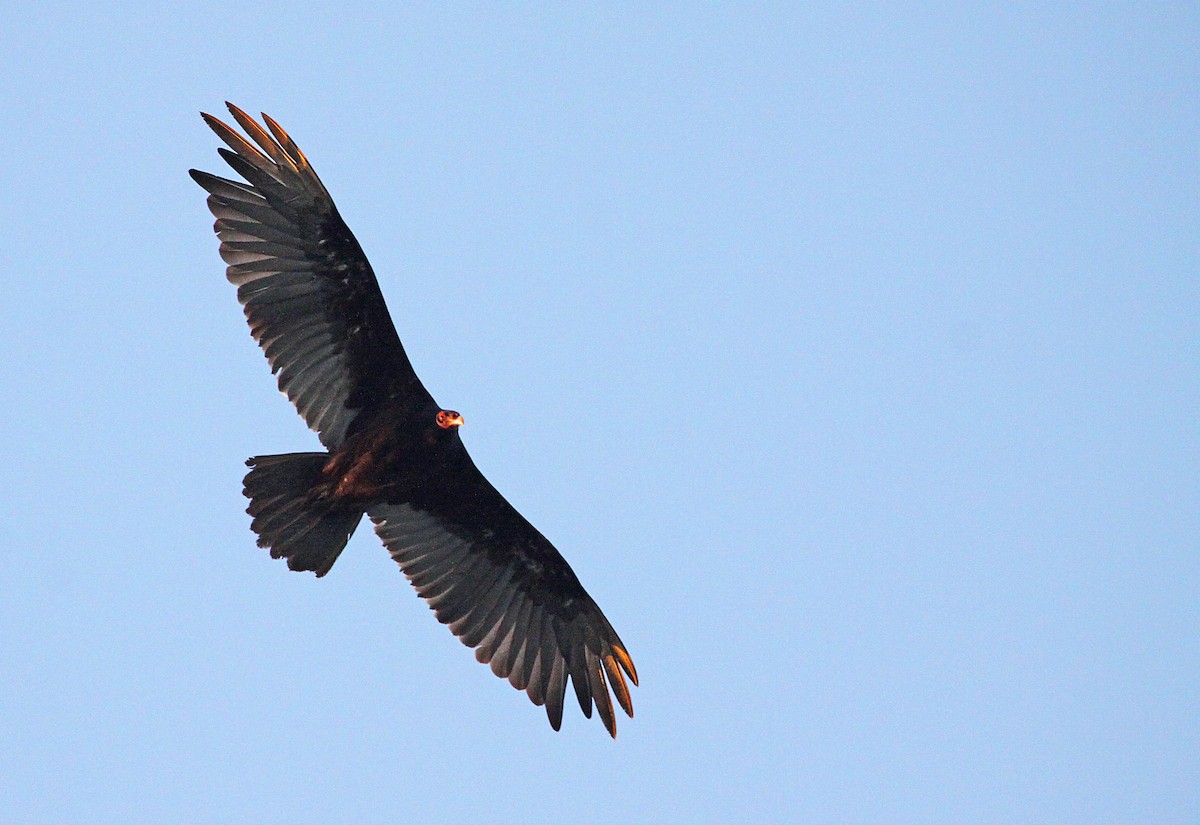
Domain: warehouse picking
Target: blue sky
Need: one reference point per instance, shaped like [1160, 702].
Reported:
[850, 354]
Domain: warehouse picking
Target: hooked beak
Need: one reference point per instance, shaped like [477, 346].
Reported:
[448, 420]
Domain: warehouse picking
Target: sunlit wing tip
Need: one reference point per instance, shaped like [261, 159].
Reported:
[626, 662]
[235, 111]
[259, 135]
[610, 720]
[285, 140]
[617, 683]
[216, 124]
[234, 141]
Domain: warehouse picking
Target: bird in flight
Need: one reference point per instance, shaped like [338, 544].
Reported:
[392, 452]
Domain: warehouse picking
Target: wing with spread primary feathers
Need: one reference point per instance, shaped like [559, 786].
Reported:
[310, 296]
[504, 590]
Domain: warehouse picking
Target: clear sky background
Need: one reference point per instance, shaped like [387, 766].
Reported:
[851, 355]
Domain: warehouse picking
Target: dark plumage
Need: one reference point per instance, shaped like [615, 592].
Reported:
[315, 308]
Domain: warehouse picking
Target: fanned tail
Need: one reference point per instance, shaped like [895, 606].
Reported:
[290, 517]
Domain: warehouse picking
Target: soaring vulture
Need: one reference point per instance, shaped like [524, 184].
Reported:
[393, 453]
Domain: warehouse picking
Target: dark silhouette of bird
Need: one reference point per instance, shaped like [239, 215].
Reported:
[315, 308]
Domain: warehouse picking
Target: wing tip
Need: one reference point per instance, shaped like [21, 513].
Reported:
[236, 111]
[626, 662]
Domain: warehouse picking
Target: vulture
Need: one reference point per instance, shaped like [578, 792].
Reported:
[391, 452]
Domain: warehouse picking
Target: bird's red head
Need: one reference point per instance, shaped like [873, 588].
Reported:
[449, 419]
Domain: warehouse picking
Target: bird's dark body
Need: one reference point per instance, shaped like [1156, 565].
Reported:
[394, 454]
[314, 306]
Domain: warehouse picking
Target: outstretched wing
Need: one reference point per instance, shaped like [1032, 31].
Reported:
[310, 297]
[504, 590]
